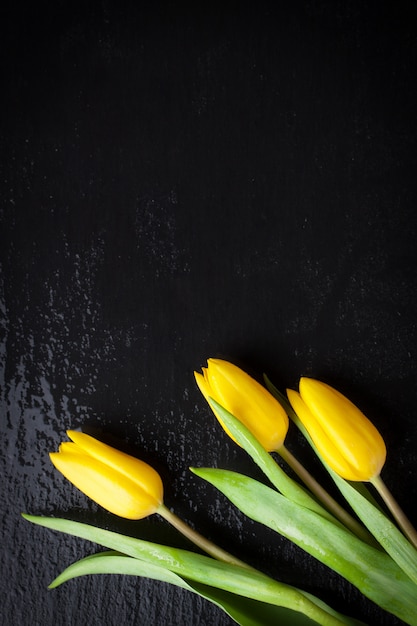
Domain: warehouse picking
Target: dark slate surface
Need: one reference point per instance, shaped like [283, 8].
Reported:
[186, 182]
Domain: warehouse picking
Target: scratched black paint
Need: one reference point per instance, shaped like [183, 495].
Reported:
[182, 183]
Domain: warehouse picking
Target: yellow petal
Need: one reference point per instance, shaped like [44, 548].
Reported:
[103, 484]
[350, 431]
[327, 449]
[248, 401]
[136, 470]
[204, 387]
[72, 448]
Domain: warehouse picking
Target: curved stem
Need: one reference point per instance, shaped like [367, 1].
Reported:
[324, 497]
[399, 515]
[202, 542]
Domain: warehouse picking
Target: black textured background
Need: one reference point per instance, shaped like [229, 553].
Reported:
[184, 181]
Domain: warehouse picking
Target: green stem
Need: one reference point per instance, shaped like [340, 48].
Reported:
[202, 542]
[399, 515]
[302, 602]
[324, 497]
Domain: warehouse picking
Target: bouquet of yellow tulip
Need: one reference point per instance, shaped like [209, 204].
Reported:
[374, 550]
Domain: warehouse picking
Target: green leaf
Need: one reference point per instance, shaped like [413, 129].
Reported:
[116, 563]
[364, 505]
[388, 535]
[202, 569]
[288, 487]
[373, 572]
[244, 611]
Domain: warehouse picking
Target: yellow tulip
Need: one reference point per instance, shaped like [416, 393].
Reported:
[345, 438]
[117, 481]
[246, 399]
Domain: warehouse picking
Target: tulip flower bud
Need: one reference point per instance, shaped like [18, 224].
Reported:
[346, 439]
[117, 481]
[246, 399]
